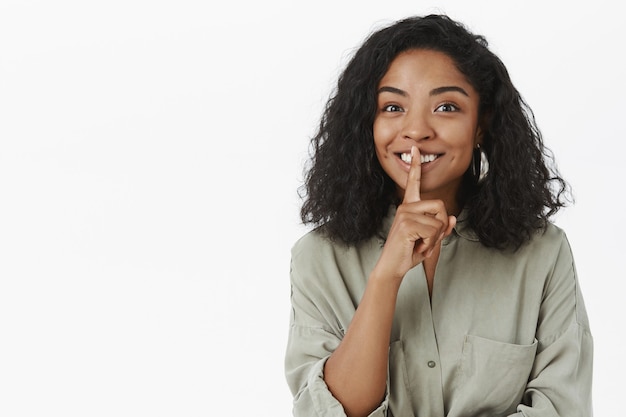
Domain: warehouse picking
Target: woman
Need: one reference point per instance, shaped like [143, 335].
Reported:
[434, 284]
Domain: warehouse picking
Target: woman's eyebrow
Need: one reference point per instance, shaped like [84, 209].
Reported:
[433, 92]
[441, 90]
[393, 90]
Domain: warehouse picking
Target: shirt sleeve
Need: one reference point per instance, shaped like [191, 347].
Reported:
[561, 377]
[314, 333]
[305, 375]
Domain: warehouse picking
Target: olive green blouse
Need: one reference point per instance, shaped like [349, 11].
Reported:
[505, 334]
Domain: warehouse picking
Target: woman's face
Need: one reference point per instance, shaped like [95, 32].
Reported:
[424, 101]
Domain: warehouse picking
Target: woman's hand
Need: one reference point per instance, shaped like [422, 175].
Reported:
[356, 372]
[417, 228]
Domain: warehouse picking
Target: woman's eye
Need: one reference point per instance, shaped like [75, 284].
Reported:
[392, 108]
[447, 107]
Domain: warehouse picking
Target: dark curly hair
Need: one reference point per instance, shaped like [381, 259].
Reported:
[347, 193]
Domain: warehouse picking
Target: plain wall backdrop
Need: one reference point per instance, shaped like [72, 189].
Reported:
[150, 155]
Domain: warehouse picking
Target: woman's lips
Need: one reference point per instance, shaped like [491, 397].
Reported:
[425, 159]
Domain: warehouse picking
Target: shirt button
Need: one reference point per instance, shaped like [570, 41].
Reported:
[431, 364]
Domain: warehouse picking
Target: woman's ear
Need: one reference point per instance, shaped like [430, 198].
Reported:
[478, 138]
[483, 123]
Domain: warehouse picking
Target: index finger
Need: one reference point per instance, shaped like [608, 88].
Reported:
[412, 189]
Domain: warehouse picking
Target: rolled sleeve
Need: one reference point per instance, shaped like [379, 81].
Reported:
[560, 383]
[306, 381]
[308, 349]
[321, 309]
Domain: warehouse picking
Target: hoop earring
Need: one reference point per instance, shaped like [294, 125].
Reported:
[480, 165]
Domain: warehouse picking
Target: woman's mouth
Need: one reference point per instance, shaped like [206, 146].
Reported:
[424, 158]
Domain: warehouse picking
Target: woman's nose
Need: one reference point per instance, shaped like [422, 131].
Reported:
[417, 127]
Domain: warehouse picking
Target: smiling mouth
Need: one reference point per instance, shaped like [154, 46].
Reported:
[424, 158]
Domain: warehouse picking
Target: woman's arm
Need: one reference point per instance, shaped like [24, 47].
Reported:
[356, 372]
[561, 379]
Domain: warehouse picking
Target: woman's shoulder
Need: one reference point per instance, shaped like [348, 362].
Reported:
[548, 246]
[319, 241]
[311, 240]
[320, 254]
[551, 236]
[315, 244]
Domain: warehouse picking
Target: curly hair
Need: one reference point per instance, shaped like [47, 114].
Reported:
[346, 192]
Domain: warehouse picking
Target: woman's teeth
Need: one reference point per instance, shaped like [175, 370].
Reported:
[406, 157]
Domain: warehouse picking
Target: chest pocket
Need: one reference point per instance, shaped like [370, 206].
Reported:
[493, 377]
